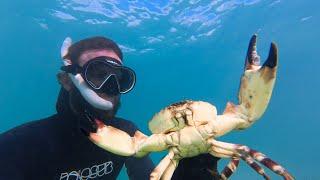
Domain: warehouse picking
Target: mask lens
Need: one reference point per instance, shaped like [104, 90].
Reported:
[99, 73]
[111, 86]
[126, 80]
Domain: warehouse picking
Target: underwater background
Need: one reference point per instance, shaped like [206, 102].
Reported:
[180, 49]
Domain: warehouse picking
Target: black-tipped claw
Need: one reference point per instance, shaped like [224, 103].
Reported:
[272, 60]
[252, 56]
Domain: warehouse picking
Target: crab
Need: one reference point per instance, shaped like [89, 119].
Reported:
[190, 128]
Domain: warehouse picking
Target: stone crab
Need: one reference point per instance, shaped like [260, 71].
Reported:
[190, 128]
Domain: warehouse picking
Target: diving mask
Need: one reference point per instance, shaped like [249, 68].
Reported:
[105, 75]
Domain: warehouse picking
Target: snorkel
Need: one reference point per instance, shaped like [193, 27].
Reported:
[87, 93]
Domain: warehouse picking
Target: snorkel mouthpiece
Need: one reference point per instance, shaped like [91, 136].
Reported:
[88, 94]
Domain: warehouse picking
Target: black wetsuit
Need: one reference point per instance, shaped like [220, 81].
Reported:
[55, 148]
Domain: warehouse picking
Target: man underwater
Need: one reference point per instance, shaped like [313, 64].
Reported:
[57, 147]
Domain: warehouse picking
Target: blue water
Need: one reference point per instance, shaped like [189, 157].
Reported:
[180, 50]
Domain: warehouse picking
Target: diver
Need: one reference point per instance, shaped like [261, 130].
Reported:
[92, 80]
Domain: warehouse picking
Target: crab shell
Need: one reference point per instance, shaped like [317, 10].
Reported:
[167, 120]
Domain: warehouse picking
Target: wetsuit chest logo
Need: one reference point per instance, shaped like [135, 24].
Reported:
[92, 172]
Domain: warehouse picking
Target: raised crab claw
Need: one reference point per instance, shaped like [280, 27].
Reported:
[190, 128]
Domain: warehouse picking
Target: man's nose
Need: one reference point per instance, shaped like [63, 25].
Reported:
[111, 86]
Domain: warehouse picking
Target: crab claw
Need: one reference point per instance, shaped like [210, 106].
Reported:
[121, 143]
[256, 86]
[272, 60]
[252, 59]
[112, 139]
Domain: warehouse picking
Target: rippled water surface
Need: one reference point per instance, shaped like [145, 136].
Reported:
[180, 50]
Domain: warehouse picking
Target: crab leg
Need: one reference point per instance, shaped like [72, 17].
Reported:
[227, 153]
[170, 169]
[250, 155]
[162, 166]
[165, 168]
[269, 163]
[229, 169]
[249, 160]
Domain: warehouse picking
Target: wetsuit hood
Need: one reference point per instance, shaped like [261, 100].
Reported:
[62, 104]
[82, 121]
